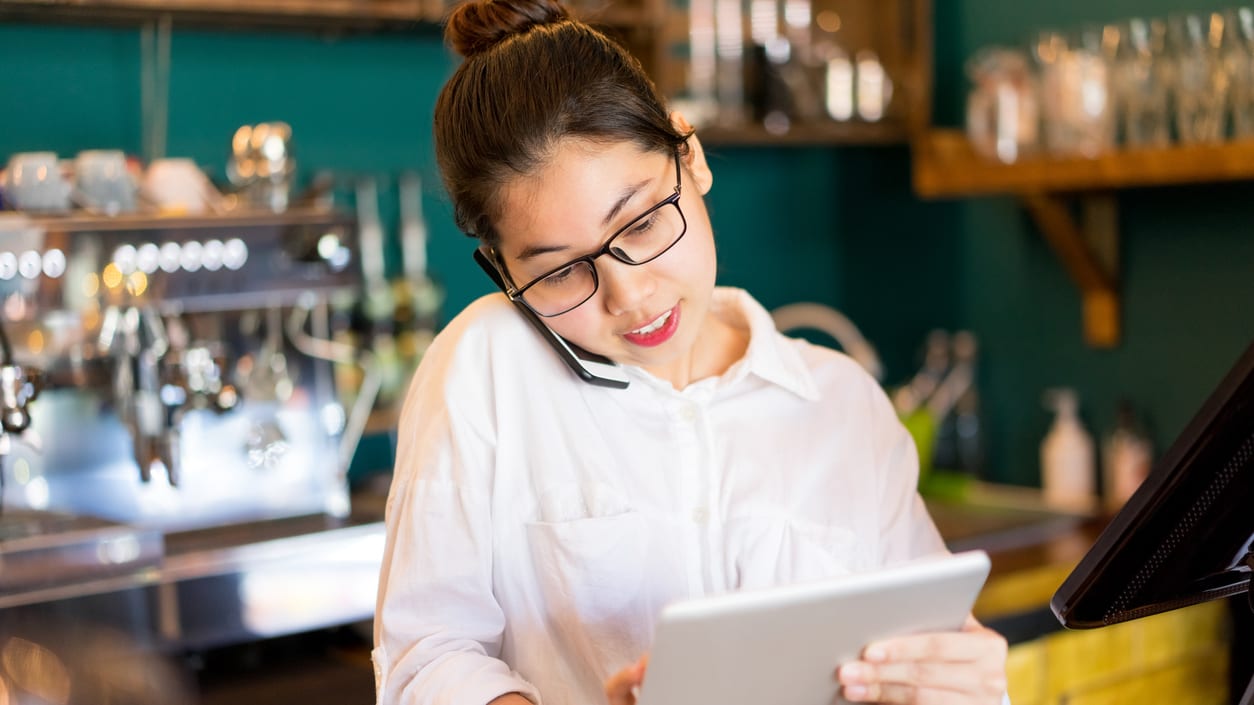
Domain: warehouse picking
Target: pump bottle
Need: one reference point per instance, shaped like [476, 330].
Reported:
[1068, 461]
[1127, 456]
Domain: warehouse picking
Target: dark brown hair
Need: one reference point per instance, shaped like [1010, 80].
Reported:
[532, 77]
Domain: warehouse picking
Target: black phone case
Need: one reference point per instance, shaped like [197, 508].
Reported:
[571, 354]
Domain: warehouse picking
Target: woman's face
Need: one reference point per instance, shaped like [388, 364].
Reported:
[650, 315]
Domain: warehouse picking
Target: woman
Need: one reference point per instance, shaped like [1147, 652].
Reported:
[537, 524]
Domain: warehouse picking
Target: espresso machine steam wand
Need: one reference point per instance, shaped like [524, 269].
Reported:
[18, 387]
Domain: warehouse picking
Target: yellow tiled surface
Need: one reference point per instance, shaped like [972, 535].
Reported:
[1200, 678]
[1020, 591]
[1177, 657]
[1025, 673]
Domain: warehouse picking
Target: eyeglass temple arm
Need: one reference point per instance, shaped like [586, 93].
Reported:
[493, 271]
[485, 263]
[679, 181]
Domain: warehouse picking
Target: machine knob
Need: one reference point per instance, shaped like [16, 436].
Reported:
[15, 420]
[18, 387]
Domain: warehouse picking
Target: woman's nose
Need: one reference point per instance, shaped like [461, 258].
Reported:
[624, 287]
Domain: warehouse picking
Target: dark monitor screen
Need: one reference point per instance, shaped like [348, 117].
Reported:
[1184, 536]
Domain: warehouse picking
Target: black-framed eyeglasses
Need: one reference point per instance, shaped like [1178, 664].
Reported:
[643, 240]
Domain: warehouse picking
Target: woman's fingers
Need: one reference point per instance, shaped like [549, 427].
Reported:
[921, 674]
[930, 669]
[618, 689]
[974, 642]
[975, 677]
[621, 688]
[895, 694]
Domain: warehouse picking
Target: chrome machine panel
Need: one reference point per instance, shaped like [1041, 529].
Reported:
[169, 399]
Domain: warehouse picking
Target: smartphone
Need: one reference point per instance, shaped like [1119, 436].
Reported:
[589, 366]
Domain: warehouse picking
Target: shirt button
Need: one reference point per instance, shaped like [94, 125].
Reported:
[688, 413]
[699, 515]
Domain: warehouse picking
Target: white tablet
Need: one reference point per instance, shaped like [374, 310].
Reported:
[782, 645]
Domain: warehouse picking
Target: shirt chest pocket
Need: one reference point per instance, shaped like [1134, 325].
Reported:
[594, 562]
[772, 549]
[592, 577]
[590, 550]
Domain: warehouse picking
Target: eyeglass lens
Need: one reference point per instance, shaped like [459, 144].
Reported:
[642, 240]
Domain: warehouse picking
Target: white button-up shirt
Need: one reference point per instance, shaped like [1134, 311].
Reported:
[537, 525]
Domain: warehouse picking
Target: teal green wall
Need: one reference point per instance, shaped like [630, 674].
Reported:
[839, 226]
[773, 214]
[901, 256]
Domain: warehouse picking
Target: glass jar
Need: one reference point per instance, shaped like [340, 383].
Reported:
[1076, 95]
[1002, 106]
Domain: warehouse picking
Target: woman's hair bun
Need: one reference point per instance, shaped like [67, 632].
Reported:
[477, 25]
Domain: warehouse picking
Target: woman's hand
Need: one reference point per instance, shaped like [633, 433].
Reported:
[621, 688]
[943, 668]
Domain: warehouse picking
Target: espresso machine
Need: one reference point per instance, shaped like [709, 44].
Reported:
[174, 449]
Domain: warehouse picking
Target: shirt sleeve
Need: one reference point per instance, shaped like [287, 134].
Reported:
[438, 626]
[906, 529]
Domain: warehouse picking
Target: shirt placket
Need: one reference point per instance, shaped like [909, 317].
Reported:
[696, 509]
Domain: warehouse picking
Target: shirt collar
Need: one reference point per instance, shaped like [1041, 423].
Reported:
[770, 355]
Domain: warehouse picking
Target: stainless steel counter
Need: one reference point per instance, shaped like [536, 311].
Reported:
[225, 584]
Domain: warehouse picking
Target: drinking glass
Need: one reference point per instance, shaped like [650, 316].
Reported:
[1200, 89]
[1238, 53]
[1142, 83]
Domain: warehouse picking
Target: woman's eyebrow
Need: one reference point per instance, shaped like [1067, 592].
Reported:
[537, 250]
[628, 193]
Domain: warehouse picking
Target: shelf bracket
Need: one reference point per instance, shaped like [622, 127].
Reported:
[1089, 250]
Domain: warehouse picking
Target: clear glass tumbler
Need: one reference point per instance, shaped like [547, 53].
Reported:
[1200, 88]
[1238, 54]
[1142, 83]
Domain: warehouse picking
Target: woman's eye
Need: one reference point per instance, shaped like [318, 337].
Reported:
[559, 277]
[643, 226]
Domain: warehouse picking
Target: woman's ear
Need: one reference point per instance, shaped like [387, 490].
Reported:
[694, 159]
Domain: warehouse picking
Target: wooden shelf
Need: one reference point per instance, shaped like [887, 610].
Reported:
[138, 222]
[619, 16]
[327, 15]
[335, 15]
[946, 166]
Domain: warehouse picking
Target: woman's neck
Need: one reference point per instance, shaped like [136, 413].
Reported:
[719, 345]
